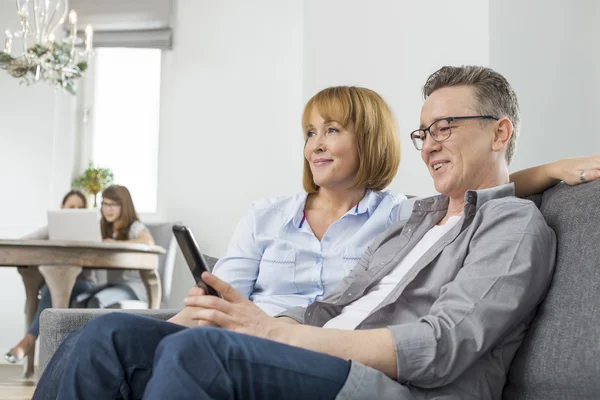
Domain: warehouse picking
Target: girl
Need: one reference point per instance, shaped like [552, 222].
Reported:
[119, 223]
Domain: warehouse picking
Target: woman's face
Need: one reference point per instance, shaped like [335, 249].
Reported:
[111, 210]
[331, 151]
[73, 201]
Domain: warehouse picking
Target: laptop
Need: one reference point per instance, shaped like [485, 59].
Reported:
[80, 225]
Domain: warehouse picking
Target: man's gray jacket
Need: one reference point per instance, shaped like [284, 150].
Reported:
[459, 315]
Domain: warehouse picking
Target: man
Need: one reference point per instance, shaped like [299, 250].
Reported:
[436, 307]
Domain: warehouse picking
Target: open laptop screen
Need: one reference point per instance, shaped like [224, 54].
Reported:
[74, 225]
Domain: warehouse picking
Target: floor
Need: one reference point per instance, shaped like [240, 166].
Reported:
[12, 384]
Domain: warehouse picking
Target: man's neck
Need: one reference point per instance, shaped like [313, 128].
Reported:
[456, 202]
[335, 201]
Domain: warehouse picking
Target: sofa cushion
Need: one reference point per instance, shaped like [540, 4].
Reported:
[560, 355]
[56, 324]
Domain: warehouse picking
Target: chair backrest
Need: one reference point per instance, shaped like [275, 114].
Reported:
[162, 233]
[559, 355]
[210, 261]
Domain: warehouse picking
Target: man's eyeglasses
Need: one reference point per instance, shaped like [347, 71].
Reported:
[110, 205]
[441, 129]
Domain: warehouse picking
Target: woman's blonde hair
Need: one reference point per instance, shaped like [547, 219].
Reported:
[376, 133]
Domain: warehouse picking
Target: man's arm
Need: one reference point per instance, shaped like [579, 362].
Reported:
[371, 347]
[374, 347]
[537, 179]
[504, 277]
[184, 318]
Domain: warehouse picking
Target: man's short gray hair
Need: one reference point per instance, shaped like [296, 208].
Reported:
[493, 93]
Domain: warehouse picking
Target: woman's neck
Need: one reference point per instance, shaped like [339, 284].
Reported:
[335, 201]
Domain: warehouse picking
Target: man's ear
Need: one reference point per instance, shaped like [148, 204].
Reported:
[504, 130]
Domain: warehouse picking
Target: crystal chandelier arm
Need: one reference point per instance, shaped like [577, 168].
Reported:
[36, 22]
[50, 18]
[63, 18]
[40, 20]
[23, 11]
[45, 16]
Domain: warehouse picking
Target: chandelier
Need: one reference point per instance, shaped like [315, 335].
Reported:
[43, 57]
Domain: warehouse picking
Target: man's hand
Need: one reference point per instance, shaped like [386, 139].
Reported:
[233, 312]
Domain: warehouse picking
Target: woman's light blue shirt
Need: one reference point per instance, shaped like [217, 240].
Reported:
[275, 259]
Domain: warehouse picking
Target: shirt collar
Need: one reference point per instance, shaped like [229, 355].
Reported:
[298, 210]
[367, 204]
[474, 199]
[478, 198]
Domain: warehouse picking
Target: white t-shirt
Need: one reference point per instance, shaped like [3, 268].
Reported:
[355, 313]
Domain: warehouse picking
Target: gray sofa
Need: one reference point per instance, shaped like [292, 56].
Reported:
[560, 355]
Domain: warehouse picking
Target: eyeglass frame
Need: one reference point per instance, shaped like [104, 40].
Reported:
[110, 205]
[449, 120]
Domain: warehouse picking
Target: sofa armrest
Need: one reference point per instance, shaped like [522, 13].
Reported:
[56, 324]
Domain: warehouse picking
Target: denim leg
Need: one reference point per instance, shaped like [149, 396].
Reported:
[47, 386]
[211, 363]
[81, 285]
[45, 302]
[110, 358]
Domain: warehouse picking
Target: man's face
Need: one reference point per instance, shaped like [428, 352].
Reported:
[465, 161]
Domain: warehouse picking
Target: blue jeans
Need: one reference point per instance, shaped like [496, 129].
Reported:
[121, 356]
[81, 285]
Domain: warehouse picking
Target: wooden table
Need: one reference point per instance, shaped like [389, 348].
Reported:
[59, 262]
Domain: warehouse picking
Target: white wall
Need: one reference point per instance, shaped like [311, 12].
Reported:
[547, 49]
[33, 121]
[391, 47]
[231, 107]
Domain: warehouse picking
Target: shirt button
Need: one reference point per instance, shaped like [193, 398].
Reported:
[383, 263]
[349, 294]
[409, 230]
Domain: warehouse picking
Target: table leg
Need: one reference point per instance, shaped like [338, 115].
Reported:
[33, 281]
[60, 281]
[153, 288]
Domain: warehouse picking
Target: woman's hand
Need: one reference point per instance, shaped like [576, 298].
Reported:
[574, 171]
[109, 240]
[233, 312]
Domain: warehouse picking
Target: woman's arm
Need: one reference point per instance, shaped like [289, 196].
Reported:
[537, 179]
[39, 234]
[239, 267]
[144, 237]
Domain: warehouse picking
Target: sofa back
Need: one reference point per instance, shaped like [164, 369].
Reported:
[560, 355]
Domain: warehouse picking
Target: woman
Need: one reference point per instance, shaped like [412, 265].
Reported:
[290, 251]
[85, 281]
[119, 223]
